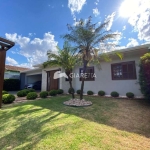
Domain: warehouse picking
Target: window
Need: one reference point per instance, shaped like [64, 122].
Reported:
[123, 71]
[89, 75]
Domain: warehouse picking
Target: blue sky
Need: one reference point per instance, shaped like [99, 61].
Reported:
[35, 26]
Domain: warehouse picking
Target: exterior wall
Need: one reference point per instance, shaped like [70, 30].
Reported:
[12, 75]
[103, 80]
[62, 83]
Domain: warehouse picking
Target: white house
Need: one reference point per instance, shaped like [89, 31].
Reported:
[117, 75]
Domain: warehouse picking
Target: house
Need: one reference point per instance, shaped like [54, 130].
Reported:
[13, 72]
[116, 75]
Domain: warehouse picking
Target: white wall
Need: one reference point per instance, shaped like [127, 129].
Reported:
[62, 83]
[103, 80]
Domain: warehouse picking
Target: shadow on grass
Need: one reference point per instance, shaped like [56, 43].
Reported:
[30, 128]
[131, 115]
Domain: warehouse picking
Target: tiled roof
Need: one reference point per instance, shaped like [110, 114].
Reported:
[15, 68]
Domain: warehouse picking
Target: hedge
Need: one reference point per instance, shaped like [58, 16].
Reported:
[11, 84]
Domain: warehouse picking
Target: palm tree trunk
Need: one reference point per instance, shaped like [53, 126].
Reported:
[70, 82]
[83, 79]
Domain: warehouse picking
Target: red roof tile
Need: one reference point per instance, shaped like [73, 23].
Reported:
[15, 68]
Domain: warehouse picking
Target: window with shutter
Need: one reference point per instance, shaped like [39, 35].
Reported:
[123, 71]
[89, 75]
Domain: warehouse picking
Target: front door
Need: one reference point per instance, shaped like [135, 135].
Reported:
[52, 84]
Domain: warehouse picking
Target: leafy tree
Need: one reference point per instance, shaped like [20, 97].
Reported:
[63, 58]
[87, 38]
[144, 75]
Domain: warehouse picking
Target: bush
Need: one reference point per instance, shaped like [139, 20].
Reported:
[8, 98]
[101, 93]
[11, 84]
[53, 93]
[43, 94]
[32, 95]
[90, 92]
[130, 95]
[4, 92]
[30, 90]
[22, 93]
[114, 94]
[71, 90]
[78, 91]
[60, 91]
[144, 75]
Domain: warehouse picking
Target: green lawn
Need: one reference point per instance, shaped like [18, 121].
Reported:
[46, 124]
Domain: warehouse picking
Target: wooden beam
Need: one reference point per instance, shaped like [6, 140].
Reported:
[2, 69]
[5, 45]
[7, 41]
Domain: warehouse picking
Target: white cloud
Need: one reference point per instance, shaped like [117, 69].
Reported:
[139, 17]
[31, 34]
[96, 3]
[133, 42]
[124, 28]
[75, 6]
[111, 18]
[34, 50]
[11, 61]
[96, 12]
[62, 5]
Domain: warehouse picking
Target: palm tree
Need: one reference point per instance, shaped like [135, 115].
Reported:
[63, 58]
[88, 37]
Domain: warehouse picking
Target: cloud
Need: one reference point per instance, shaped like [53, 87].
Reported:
[62, 5]
[124, 28]
[133, 42]
[96, 12]
[31, 34]
[75, 6]
[139, 17]
[34, 50]
[96, 3]
[11, 61]
[111, 18]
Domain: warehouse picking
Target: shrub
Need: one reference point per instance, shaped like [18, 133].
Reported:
[31, 95]
[130, 95]
[53, 93]
[4, 92]
[30, 90]
[144, 75]
[101, 93]
[78, 91]
[60, 91]
[71, 90]
[43, 94]
[114, 94]
[90, 92]
[21, 93]
[8, 98]
[11, 84]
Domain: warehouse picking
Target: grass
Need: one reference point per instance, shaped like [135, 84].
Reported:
[108, 124]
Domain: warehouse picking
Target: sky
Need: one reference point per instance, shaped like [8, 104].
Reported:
[36, 25]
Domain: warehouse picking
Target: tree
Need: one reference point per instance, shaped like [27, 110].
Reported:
[144, 75]
[63, 58]
[87, 36]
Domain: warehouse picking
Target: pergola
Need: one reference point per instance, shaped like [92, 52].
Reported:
[4, 46]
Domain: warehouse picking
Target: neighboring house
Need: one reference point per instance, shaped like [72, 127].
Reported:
[13, 72]
[117, 75]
